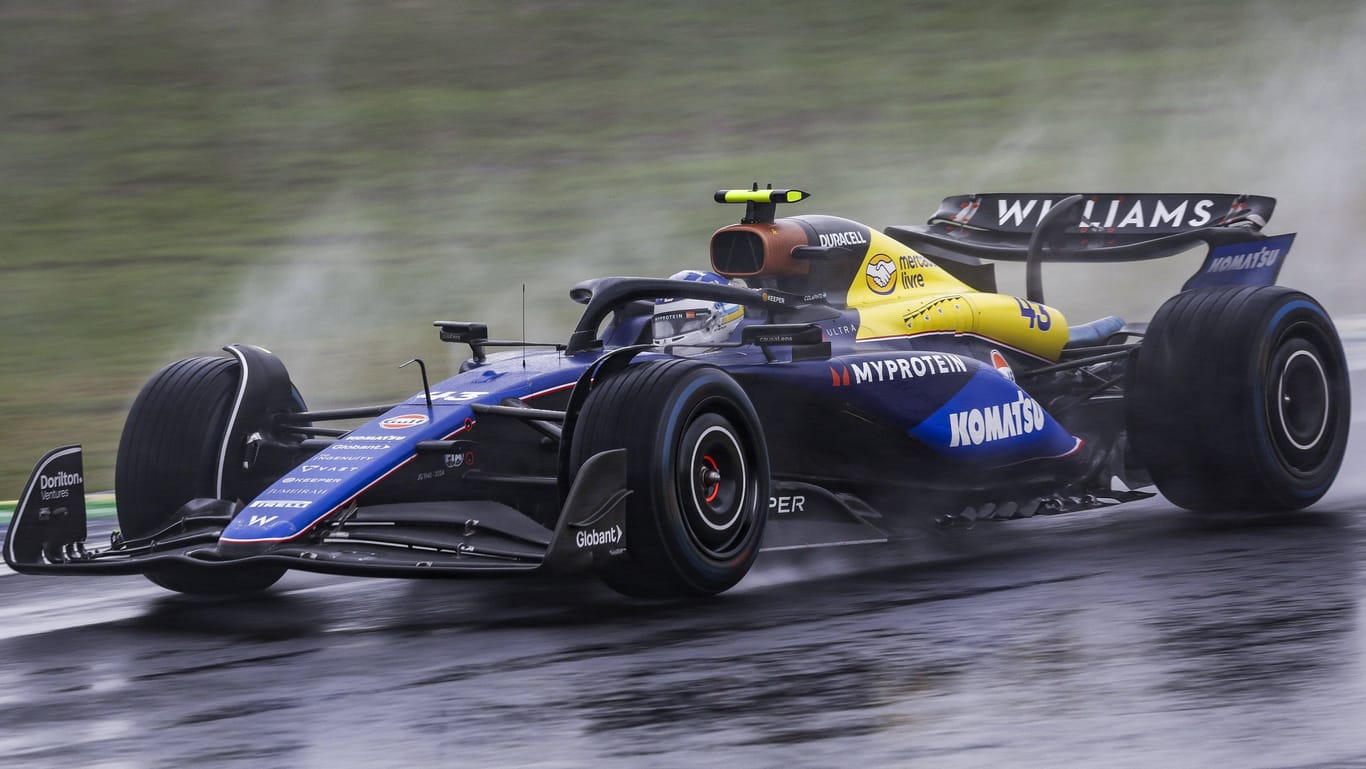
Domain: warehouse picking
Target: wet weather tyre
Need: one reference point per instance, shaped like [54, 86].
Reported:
[697, 469]
[1241, 400]
[169, 453]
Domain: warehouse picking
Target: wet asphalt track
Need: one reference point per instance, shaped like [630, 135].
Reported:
[1138, 636]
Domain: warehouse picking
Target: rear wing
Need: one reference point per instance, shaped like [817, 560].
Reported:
[1041, 227]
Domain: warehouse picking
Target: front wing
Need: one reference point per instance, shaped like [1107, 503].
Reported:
[467, 538]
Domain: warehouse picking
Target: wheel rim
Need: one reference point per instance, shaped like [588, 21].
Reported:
[1299, 403]
[714, 485]
[1302, 400]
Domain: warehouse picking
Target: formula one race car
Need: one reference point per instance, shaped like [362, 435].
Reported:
[825, 384]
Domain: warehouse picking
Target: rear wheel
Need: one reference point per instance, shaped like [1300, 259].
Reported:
[697, 468]
[170, 453]
[1241, 399]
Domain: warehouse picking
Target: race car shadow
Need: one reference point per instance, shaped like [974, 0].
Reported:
[1232, 521]
[400, 608]
[270, 616]
[534, 603]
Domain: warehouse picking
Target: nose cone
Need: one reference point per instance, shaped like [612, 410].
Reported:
[254, 533]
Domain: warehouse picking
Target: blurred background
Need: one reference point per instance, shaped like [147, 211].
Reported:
[325, 179]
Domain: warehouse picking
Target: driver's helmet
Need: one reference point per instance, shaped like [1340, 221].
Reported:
[695, 322]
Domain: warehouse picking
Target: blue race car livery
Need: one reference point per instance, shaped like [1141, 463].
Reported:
[823, 384]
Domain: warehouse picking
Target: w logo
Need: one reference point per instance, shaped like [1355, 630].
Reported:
[262, 520]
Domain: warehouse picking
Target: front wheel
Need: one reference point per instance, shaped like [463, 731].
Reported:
[697, 469]
[1241, 399]
[170, 452]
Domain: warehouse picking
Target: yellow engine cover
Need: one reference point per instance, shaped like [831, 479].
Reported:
[901, 294]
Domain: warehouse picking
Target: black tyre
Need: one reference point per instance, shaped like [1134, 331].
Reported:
[1241, 399]
[697, 467]
[169, 453]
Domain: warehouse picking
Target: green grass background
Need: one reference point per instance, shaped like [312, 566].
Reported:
[326, 178]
